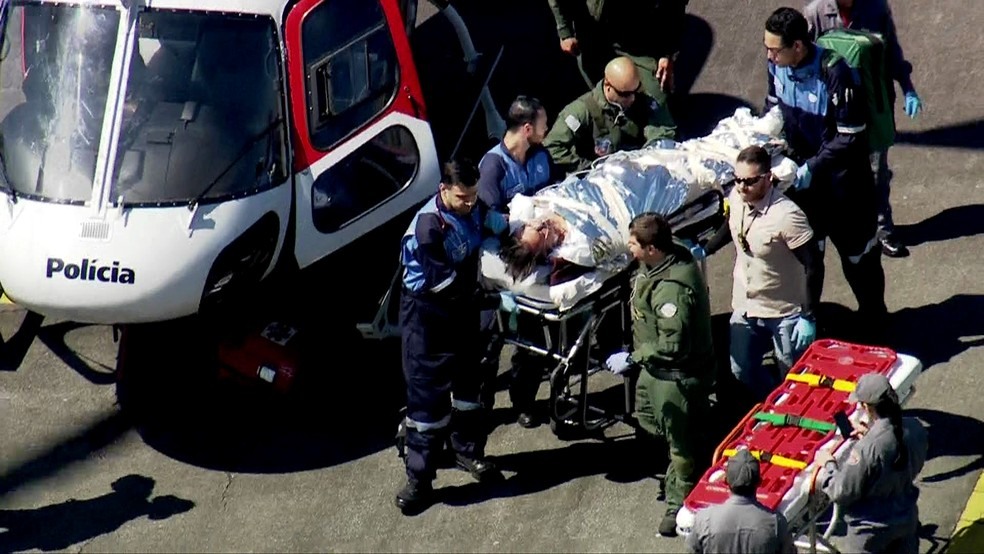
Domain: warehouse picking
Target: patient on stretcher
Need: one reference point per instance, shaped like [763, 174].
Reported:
[541, 241]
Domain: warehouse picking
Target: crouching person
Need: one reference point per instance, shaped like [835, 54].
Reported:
[671, 329]
[741, 525]
[439, 319]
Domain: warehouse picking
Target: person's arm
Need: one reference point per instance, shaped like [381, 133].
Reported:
[846, 104]
[491, 171]
[671, 305]
[900, 69]
[848, 483]
[771, 100]
[660, 124]
[439, 273]
[786, 545]
[563, 18]
[561, 142]
[696, 535]
[719, 239]
[810, 12]
[798, 235]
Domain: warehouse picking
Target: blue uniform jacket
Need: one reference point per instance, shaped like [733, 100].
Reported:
[439, 251]
[503, 177]
[823, 115]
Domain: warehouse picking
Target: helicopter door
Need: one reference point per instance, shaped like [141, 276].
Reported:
[364, 154]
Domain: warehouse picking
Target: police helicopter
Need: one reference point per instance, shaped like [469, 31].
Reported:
[157, 154]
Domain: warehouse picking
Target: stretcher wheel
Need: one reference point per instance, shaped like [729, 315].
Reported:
[565, 430]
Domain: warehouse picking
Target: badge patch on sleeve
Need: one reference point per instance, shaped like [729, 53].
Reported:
[572, 123]
[668, 310]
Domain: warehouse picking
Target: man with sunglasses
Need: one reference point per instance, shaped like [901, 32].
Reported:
[824, 126]
[775, 285]
[615, 116]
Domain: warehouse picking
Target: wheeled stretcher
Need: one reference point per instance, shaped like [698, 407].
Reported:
[591, 322]
[792, 425]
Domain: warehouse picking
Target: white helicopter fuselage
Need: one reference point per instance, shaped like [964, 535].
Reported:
[159, 153]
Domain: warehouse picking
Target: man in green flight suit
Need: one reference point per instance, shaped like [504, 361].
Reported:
[648, 31]
[614, 116]
[671, 331]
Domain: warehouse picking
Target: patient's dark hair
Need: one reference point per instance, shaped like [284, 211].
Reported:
[519, 258]
[757, 156]
[652, 229]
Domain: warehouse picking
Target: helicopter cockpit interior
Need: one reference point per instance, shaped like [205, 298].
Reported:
[202, 116]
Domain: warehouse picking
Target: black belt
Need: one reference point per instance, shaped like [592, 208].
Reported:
[667, 374]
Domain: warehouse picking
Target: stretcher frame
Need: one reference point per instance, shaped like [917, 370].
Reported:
[571, 351]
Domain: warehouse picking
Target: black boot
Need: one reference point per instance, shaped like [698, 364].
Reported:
[414, 497]
[481, 469]
[667, 526]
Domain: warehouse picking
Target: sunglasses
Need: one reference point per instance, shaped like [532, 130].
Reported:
[749, 181]
[625, 93]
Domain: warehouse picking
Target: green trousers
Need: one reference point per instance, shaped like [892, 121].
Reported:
[672, 409]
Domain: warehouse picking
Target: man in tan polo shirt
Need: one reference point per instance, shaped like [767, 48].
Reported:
[776, 276]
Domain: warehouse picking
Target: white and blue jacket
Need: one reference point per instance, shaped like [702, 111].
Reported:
[502, 176]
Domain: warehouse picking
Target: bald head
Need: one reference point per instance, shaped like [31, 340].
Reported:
[621, 81]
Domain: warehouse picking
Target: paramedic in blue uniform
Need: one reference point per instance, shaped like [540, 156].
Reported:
[874, 16]
[874, 487]
[519, 164]
[439, 319]
[824, 126]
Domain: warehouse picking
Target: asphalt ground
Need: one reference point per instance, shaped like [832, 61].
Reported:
[224, 469]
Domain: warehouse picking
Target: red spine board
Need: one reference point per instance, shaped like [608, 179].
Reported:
[830, 358]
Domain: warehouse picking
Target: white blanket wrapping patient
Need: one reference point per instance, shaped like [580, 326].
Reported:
[685, 180]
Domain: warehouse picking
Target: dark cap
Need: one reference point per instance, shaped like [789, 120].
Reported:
[742, 470]
[873, 388]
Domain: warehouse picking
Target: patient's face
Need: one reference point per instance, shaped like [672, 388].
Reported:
[540, 237]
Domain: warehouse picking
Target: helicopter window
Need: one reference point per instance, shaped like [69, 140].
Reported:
[351, 62]
[203, 117]
[365, 178]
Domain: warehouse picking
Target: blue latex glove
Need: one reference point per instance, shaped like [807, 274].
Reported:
[696, 250]
[803, 177]
[913, 105]
[507, 303]
[804, 333]
[619, 362]
[496, 222]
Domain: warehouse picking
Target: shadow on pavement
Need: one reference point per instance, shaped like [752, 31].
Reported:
[60, 526]
[621, 461]
[967, 135]
[935, 333]
[951, 223]
[951, 435]
[14, 349]
[53, 336]
[97, 436]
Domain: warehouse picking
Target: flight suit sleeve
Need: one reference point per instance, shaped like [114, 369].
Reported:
[660, 124]
[573, 125]
[563, 18]
[848, 108]
[849, 482]
[491, 170]
[673, 306]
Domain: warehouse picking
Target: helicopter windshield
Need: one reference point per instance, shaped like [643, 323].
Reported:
[201, 114]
